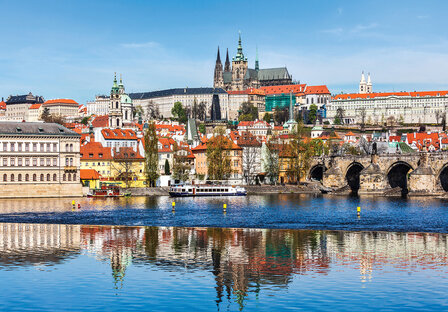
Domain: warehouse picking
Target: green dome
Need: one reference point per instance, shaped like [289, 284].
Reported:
[126, 99]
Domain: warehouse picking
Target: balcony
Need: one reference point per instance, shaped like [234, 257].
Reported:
[70, 168]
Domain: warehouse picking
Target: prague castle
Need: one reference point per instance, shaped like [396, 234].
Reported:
[238, 76]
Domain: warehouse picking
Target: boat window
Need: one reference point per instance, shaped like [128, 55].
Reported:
[189, 190]
[183, 190]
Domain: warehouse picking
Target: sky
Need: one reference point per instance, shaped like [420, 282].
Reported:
[71, 49]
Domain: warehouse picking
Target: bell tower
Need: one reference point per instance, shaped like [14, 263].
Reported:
[218, 80]
[115, 113]
[239, 68]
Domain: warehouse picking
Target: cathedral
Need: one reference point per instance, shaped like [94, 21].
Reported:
[238, 77]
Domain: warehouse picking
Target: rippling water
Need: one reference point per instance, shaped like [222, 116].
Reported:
[290, 211]
[112, 268]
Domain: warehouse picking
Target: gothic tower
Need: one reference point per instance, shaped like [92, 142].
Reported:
[227, 67]
[362, 84]
[239, 68]
[218, 80]
[115, 113]
[257, 64]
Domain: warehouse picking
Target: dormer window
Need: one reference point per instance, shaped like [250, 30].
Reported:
[19, 130]
[41, 130]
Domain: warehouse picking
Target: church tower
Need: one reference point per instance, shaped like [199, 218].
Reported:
[239, 68]
[227, 67]
[218, 80]
[115, 113]
[257, 64]
[363, 84]
[369, 84]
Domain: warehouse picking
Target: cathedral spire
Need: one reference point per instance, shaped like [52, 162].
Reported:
[257, 65]
[218, 57]
[239, 55]
[227, 65]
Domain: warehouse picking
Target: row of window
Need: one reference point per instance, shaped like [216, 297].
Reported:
[35, 178]
[35, 147]
[19, 161]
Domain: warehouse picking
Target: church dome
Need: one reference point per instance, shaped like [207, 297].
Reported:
[125, 99]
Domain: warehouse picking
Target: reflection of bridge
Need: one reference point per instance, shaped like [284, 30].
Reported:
[424, 173]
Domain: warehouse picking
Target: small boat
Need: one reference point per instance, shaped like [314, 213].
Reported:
[106, 191]
[206, 190]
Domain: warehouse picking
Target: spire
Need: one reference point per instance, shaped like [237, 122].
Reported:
[218, 57]
[239, 55]
[363, 79]
[115, 85]
[115, 79]
[121, 81]
[368, 79]
[257, 66]
[227, 65]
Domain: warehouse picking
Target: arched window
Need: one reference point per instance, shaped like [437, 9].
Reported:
[55, 177]
[71, 147]
[69, 177]
[118, 122]
[27, 177]
[41, 177]
[74, 177]
[19, 177]
[312, 100]
[5, 178]
[116, 104]
[71, 161]
[12, 177]
[34, 177]
[66, 161]
[48, 177]
[66, 147]
[64, 177]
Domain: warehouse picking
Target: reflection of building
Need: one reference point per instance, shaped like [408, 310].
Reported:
[42, 157]
[30, 244]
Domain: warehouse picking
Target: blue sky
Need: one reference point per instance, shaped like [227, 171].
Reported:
[71, 49]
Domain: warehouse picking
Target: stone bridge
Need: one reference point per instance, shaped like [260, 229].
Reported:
[416, 174]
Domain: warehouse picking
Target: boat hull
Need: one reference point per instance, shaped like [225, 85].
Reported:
[175, 194]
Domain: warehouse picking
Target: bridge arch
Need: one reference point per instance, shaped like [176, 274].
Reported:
[443, 177]
[352, 175]
[317, 172]
[397, 175]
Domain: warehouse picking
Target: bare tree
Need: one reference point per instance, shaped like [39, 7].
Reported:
[152, 111]
[251, 156]
[123, 165]
[362, 115]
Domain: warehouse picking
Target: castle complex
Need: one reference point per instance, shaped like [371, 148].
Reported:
[238, 77]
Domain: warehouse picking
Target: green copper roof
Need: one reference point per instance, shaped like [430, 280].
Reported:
[115, 85]
[239, 55]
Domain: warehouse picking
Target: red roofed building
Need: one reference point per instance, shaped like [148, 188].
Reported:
[100, 121]
[2, 108]
[233, 152]
[318, 95]
[62, 107]
[427, 142]
[34, 112]
[252, 95]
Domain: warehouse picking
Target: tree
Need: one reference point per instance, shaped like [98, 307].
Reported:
[181, 167]
[218, 161]
[178, 112]
[151, 155]
[152, 111]
[123, 165]
[362, 114]
[271, 161]
[267, 117]
[138, 111]
[248, 112]
[312, 114]
[85, 120]
[45, 114]
[301, 153]
[281, 115]
[339, 118]
[167, 167]
[250, 157]
[201, 128]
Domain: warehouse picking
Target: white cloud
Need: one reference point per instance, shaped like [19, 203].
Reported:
[149, 44]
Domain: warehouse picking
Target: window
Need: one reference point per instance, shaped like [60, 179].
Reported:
[74, 177]
[55, 161]
[19, 177]
[71, 161]
[55, 177]
[5, 162]
[55, 147]
[34, 147]
[34, 161]
[48, 161]
[12, 177]
[5, 146]
[48, 177]
[12, 162]
[71, 147]
[19, 147]
[48, 147]
[27, 147]
[34, 177]
[100, 155]
[42, 162]
[41, 177]
[19, 161]
[90, 155]
[66, 161]
[41, 147]
[5, 178]
[27, 177]
[64, 177]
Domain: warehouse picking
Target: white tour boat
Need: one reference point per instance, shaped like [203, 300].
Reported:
[207, 190]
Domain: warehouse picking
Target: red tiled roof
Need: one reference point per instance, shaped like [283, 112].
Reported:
[167, 144]
[296, 88]
[317, 90]
[127, 153]
[119, 134]
[95, 151]
[394, 138]
[61, 101]
[2, 105]
[387, 94]
[35, 106]
[203, 146]
[89, 174]
[101, 121]
[350, 134]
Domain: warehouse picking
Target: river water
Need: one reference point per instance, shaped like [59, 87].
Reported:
[266, 253]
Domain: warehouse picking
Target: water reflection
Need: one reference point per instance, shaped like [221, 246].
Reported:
[240, 261]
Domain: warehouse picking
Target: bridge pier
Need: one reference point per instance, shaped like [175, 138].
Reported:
[423, 180]
[372, 180]
[334, 178]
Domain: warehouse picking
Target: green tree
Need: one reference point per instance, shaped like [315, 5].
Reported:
[267, 117]
[201, 128]
[151, 155]
[85, 120]
[181, 167]
[339, 118]
[312, 114]
[248, 112]
[167, 167]
[301, 153]
[218, 160]
[179, 112]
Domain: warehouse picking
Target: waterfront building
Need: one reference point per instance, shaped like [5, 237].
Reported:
[94, 156]
[120, 106]
[17, 106]
[166, 152]
[251, 154]
[233, 152]
[239, 77]
[42, 158]
[164, 99]
[418, 107]
[90, 178]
